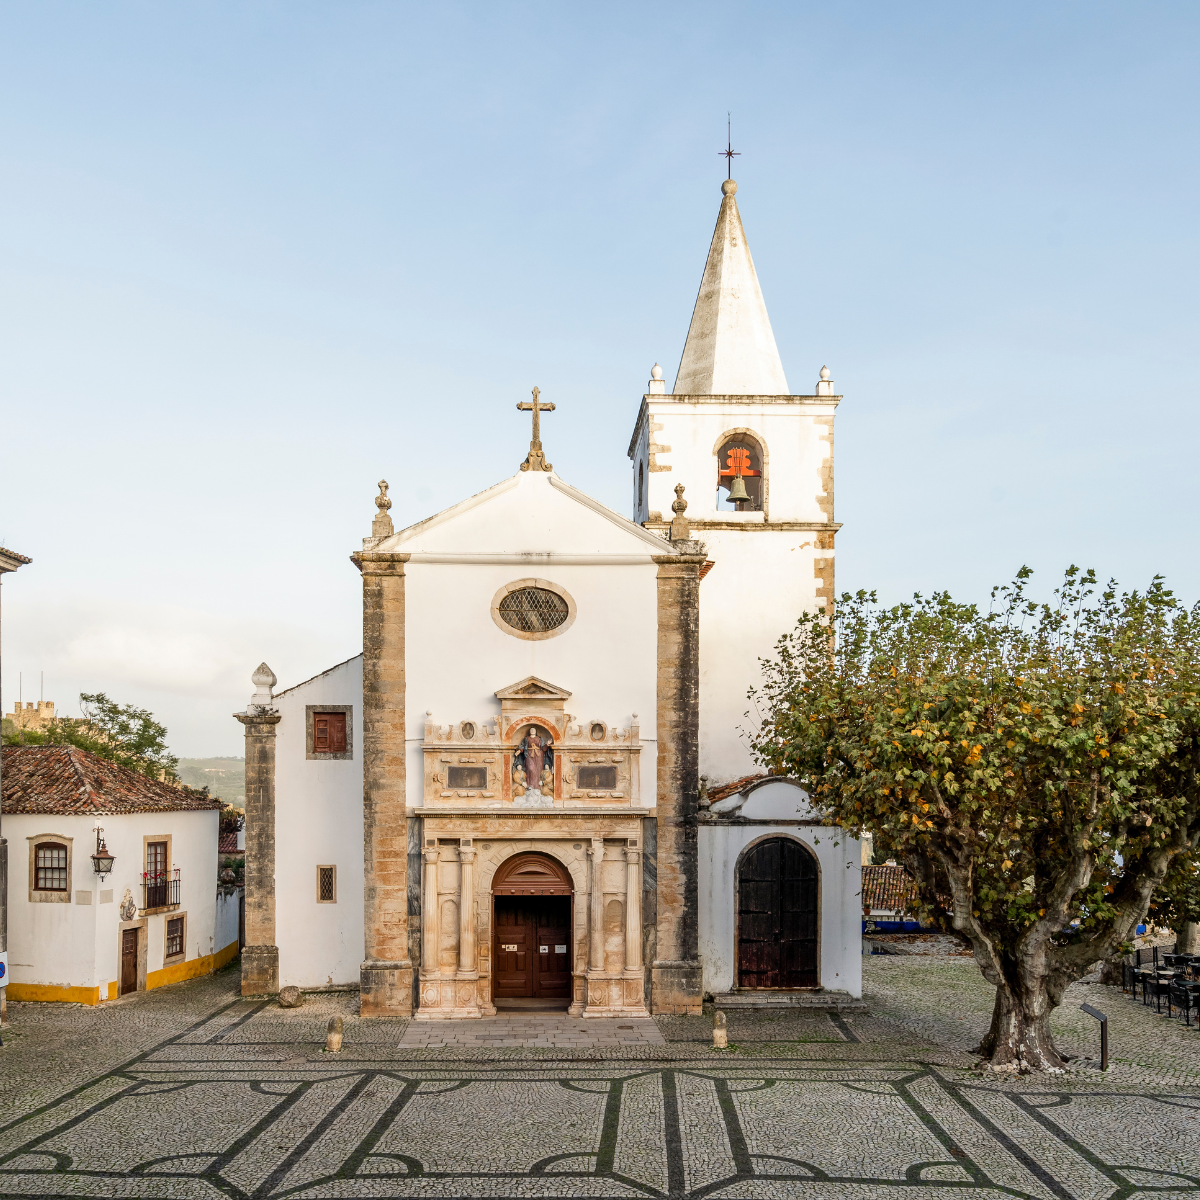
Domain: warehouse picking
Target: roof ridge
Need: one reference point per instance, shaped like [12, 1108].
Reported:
[89, 792]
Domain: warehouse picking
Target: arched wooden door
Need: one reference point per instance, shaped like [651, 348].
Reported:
[531, 905]
[777, 916]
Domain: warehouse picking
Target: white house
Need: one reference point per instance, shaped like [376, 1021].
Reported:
[155, 916]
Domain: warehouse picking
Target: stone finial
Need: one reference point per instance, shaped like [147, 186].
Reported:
[729, 187]
[656, 386]
[382, 525]
[825, 383]
[680, 530]
[264, 680]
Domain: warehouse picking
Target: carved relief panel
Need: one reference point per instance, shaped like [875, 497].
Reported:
[577, 763]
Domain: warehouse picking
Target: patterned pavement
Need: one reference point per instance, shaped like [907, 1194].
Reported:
[236, 1099]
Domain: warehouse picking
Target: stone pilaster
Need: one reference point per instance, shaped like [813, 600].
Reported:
[386, 977]
[675, 974]
[466, 911]
[260, 955]
[429, 915]
[596, 907]
[633, 910]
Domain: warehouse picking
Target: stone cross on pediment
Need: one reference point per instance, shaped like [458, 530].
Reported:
[536, 460]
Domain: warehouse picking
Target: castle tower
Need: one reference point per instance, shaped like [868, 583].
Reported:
[730, 424]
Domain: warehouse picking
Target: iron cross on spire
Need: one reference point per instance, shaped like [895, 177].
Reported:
[729, 153]
[536, 460]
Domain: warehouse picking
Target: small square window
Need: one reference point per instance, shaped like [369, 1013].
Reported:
[329, 733]
[327, 885]
[174, 937]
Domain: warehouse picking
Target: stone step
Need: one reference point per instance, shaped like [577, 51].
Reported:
[775, 1001]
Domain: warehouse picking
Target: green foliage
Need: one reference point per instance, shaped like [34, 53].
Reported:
[127, 735]
[1035, 766]
[1177, 899]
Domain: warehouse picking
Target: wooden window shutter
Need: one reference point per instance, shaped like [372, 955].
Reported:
[329, 733]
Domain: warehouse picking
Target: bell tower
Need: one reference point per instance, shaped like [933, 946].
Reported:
[757, 465]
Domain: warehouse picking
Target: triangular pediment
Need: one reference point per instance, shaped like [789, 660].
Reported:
[532, 688]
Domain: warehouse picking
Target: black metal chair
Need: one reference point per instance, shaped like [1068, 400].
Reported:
[1143, 978]
[1185, 996]
[1159, 985]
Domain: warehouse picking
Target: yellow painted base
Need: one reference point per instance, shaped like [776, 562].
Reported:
[53, 992]
[176, 973]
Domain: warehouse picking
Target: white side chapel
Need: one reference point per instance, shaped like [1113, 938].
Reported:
[533, 787]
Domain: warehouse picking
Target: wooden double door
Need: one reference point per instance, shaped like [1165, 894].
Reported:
[777, 916]
[532, 951]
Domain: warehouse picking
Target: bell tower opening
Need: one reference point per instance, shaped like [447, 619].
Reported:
[740, 475]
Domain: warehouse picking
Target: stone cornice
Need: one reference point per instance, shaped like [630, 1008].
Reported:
[379, 562]
[754, 526]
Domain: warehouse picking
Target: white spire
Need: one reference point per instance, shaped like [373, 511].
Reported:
[730, 349]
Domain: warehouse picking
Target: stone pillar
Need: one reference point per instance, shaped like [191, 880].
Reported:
[430, 939]
[596, 906]
[633, 910]
[466, 910]
[386, 977]
[260, 955]
[675, 975]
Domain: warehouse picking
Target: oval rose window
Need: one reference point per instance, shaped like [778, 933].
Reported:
[533, 610]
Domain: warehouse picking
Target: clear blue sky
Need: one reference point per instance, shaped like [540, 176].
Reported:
[254, 258]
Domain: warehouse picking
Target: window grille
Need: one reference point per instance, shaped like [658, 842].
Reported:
[533, 610]
[50, 873]
[327, 885]
[174, 937]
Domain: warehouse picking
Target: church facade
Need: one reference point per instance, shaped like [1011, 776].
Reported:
[533, 789]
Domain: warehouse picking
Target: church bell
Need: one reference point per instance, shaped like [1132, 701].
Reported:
[737, 490]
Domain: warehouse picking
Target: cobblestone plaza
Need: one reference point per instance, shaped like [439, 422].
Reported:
[193, 1092]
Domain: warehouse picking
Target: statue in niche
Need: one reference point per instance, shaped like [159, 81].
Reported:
[533, 764]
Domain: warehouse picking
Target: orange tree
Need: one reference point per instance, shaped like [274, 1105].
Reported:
[1034, 766]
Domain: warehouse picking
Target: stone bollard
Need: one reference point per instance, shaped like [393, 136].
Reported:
[290, 997]
[720, 1035]
[333, 1039]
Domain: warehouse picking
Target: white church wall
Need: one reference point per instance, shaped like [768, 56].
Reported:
[318, 822]
[607, 658]
[839, 859]
[532, 526]
[759, 585]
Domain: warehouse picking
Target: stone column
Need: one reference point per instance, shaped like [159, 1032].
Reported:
[675, 975]
[260, 955]
[386, 976]
[430, 939]
[633, 910]
[596, 907]
[466, 910]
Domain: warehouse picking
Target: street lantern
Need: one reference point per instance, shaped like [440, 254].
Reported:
[102, 860]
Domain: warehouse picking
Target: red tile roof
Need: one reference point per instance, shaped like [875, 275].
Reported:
[73, 782]
[731, 789]
[227, 843]
[887, 889]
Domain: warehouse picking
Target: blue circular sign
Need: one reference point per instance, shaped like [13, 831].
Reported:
[3, 968]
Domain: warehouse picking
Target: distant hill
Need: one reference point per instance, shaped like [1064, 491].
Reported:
[224, 777]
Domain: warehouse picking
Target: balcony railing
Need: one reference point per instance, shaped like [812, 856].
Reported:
[160, 891]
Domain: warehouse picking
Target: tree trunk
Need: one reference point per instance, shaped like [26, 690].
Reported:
[1019, 1039]
[1189, 938]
